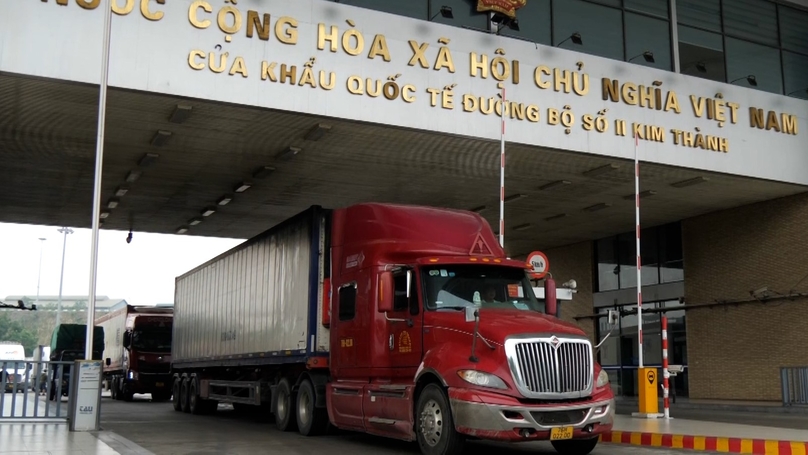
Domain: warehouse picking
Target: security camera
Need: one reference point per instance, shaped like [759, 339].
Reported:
[129, 237]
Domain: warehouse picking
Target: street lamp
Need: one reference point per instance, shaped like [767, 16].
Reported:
[65, 231]
[39, 274]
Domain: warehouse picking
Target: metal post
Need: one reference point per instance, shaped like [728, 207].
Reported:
[39, 274]
[639, 260]
[64, 231]
[502, 171]
[665, 373]
[99, 160]
[674, 36]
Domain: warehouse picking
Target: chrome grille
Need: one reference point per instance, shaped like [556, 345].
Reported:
[551, 367]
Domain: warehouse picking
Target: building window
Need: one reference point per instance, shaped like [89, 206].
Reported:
[464, 12]
[752, 20]
[704, 14]
[657, 8]
[347, 302]
[645, 33]
[601, 27]
[701, 54]
[762, 62]
[793, 33]
[410, 8]
[795, 71]
[534, 20]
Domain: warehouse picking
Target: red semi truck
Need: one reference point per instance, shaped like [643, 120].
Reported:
[137, 352]
[401, 321]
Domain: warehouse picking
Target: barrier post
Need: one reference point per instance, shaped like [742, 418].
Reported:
[665, 372]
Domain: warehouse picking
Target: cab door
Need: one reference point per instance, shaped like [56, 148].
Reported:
[404, 327]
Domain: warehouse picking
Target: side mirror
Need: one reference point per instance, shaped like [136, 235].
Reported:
[386, 292]
[109, 361]
[127, 339]
[551, 302]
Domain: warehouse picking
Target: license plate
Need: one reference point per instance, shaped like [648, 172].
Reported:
[158, 384]
[557, 434]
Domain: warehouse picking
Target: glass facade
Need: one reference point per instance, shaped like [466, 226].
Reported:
[662, 258]
[754, 43]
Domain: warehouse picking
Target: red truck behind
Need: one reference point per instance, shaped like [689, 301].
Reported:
[401, 321]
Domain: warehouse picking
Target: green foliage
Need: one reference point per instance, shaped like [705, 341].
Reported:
[33, 328]
[11, 330]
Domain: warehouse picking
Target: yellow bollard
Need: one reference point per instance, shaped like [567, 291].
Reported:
[648, 380]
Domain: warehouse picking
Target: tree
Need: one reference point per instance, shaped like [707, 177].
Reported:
[11, 330]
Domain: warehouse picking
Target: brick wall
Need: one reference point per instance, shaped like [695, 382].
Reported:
[735, 352]
[575, 262]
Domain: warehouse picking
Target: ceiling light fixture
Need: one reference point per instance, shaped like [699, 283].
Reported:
[132, 176]
[194, 221]
[148, 159]
[317, 132]
[643, 194]
[596, 207]
[182, 230]
[224, 200]
[552, 185]
[104, 215]
[244, 186]
[478, 209]
[514, 197]
[556, 217]
[575, 37]
[522, 227]
[208, 211]
[288, 153]
[180, 114]
[263, 172]
[690, 182]
[121, 191]
[160, 138]
[601, 170]
[112, 203]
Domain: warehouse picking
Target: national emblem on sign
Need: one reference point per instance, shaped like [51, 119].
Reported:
[506, 7]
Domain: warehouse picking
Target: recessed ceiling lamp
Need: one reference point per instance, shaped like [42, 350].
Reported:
[557, 183]
[317, 132]
[132, 176]
[208, 211]
[160, 138]
[148, 159]
[112, 203]
[182, 230]
[288, 153]
[478, 209]
[556, 217]
[104, 214]
[242, 187]
[643, 194]
[601, 170]
[194, 221]
[121, 191]
[514, 197]
[263, 172]
[224, 200]
[596, 207]
[690, 182]
[181, 113]
[522, 227]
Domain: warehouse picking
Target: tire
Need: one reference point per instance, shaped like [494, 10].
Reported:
[311, 421]
[575, 446]
[196, 405]
[113, 388]
[184, 395]
[175, 395]
[284, 407]
[434, 425]
[126, 392]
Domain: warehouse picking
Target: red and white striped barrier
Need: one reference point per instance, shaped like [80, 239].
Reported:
[665, 373]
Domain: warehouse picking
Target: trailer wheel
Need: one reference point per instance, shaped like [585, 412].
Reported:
[284, 407]
[575, 446]
[311, 421]
[434, 426]
[113, 387]
[184, 395]
[126, 392]
[196, 405]
[175, 394]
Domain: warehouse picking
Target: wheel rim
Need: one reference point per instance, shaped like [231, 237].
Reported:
[303, 408]
[282, 405]
[431, 423]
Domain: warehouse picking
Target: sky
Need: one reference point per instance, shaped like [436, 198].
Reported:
[141, 272]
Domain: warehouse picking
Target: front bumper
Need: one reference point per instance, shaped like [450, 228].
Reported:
[497, 417]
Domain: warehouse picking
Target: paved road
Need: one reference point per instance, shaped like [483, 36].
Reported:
[159, 429]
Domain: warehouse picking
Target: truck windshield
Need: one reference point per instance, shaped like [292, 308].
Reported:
[484, 286]
[152, 339]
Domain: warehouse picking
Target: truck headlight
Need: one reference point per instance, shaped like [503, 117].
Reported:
[603, 379]
[482, 379]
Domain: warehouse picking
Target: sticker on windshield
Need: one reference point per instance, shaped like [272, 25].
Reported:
[515, 291]
[444, 273]
[434, 272]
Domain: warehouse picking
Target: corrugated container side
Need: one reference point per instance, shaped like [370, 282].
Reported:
[253, 301]
[114, 324]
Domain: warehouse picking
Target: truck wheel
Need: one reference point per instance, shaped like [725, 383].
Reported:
[575, 446]
[284, 407]
[311, 421]
[113, 388]
[175, 394]
[196, 405]
[127, 393]
[184, 395]
[434, 426]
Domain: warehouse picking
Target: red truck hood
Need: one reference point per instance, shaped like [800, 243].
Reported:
[496, 325]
